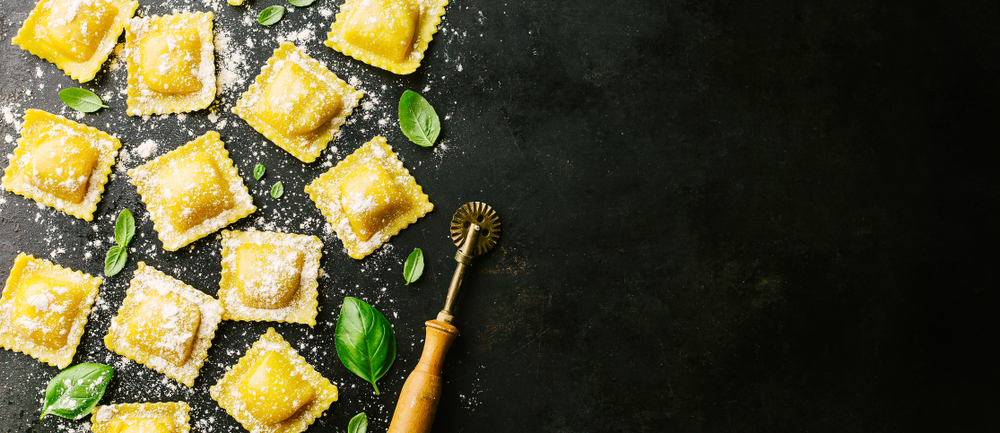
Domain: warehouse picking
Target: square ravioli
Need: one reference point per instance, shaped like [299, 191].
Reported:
[297, 103]
[171, 63]
[269, 276]
[44, 309]
[142, 418]
[61, 163]
[75, 35]
[192, 191]
[165, 325]
[387, 34]
[273, 389]
[369, 197]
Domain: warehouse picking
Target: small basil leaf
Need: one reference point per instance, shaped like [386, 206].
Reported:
[258, 171]
[81, 100]
[358, 424]
[115, 260]
[75, 391]
[418, 120]
[301, 3]
[277, 190]
[124, 228]
[414, 266]
[366, 343]
[271, 15]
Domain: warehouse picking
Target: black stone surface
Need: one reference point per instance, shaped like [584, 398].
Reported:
[718, 216]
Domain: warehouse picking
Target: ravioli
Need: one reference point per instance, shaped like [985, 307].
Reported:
[192, 191]
[44, 309]
[387, 34]
[61, 164]
[297, 103]
[75, 35]
[171, 63]
[142, 418]
[273, 389]
[369, 197]
[269, 276]
[165, 325]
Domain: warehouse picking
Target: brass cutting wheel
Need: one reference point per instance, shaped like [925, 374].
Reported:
[476, 213]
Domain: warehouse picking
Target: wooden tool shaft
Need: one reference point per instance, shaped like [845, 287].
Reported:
[418, 401]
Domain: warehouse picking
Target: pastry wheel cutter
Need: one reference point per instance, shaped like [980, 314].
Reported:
[475, 229]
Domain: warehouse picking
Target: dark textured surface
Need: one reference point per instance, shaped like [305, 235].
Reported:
[718, 217]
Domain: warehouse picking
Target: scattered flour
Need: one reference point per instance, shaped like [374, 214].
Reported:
[146, 149]
[233, 62]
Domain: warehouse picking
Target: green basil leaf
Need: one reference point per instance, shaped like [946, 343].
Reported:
[258, 171]
[74, 392]
[414, 266]
[115, 260]
[124, 228]
[271, 15]
[418, 120]
[277, 190]
[81, 100]
[358, 424]
[301, 3]
[365, 341]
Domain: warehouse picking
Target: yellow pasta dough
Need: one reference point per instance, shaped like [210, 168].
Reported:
[272, 389]
[369, 197]
[165, 325]
[61, 163]
[270, 276]
[75, 35]
[388, 34]
[44, 309]
[192, 191]
[297, 103]
[171, 63]
[142, 418]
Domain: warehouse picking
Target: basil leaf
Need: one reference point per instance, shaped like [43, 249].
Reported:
[414, 266]
[270, 15]
[258, 171]
[365, 341]
[115, 260]
[124, 228]
[81, 100]
[418, 120]
[75, 391]
[358, 424]
[301, 3]
[277, 190]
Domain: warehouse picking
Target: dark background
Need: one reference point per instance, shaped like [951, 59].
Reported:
[719, 216]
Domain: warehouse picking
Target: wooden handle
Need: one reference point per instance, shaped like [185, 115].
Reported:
[418, 401]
